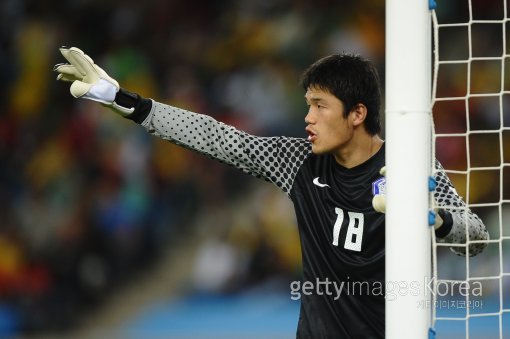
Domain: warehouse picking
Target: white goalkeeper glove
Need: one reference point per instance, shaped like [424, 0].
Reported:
[89, 81]
[379, 204]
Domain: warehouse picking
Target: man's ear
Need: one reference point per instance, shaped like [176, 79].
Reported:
[358, 114]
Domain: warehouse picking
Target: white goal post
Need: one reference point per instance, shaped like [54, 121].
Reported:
[452, 104]
[408, 166]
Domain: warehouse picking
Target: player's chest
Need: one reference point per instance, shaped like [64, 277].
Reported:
[337, 211]
[351, 192]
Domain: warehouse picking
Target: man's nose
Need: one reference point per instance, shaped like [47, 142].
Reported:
[310, 118]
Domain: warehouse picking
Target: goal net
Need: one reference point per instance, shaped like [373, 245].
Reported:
[471, 138]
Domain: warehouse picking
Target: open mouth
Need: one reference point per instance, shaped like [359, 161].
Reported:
[311, 135]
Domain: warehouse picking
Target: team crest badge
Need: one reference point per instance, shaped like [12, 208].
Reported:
[379, 186]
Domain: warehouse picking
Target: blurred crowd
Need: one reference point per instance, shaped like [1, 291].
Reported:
[89, 200]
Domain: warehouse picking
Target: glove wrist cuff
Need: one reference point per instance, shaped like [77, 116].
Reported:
[131, 105]
[445, 228]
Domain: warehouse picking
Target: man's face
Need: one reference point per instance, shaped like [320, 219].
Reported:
[327, 129]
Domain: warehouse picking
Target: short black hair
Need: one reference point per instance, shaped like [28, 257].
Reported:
[353, 80]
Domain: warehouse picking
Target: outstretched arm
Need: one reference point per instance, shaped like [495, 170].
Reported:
[275, 159]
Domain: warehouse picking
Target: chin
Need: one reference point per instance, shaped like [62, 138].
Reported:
[317, 150]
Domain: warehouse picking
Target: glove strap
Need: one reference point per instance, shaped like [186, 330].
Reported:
[131, 105]
[124, 111]
[445, 228]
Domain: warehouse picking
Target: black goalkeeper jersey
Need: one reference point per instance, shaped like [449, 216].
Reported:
[342, 236]
[342, 243]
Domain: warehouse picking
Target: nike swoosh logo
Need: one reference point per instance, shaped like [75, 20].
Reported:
[316, 182]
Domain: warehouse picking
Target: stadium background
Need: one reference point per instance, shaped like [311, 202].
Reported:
[104, 228]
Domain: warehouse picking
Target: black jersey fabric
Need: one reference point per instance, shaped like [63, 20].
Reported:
[357, 309]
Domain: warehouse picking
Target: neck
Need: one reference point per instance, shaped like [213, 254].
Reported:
[358, 150]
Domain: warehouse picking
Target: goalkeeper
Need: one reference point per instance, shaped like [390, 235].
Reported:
[331, 176]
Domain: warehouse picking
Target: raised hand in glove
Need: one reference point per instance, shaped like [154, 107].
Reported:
[89, 81]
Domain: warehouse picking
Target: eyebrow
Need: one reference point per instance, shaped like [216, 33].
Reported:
[314, 99]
